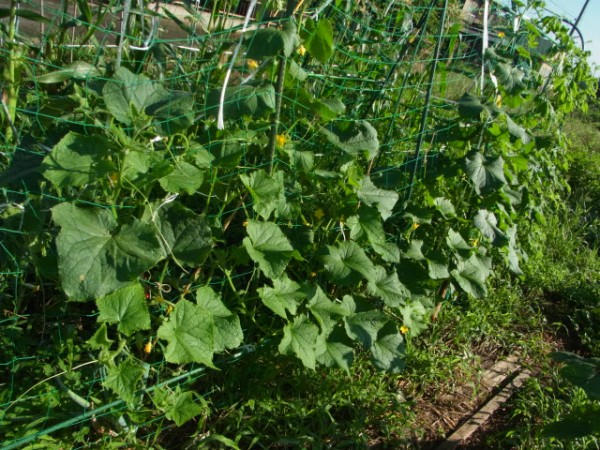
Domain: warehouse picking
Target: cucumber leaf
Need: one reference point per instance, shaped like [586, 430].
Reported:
[268, 247]
[127, 308]
[95, 257]
[300, 338]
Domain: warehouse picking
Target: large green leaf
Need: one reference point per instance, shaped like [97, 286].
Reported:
[388, 351]
[510, 78]
[388, 251]
[486, 222]
[100, 339]
[445, 207]
[266, 42]
[178, 406]
[456, 242]
[228, 150]
[517, 130]
[189, 334]
[418, 214]
[388, 287]
[300, 338]
[127, 95]
[268, 247]
[487, 174]
[354, 137]
[267, 191]
[415, 316]
[414, 250]
[126, 307]
[318, 39]
[195, 332]
[368, 223]
[470, 107]
[324, 109]
[143, 168]
[302, 161]
[325, 311]
[471, 275]
[184, 234]
[173, 114]
[243, 100]
[124, 379]
[284, 295]
[437, 264]
[96, 258]
[227, 329]
[77, 160]
[364, 326]
[126, 90]
[185, 177]
[346, 261]
[371, 195]
[296, 71]
[335, 349]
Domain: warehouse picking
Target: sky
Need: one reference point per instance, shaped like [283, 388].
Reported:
[589, 24]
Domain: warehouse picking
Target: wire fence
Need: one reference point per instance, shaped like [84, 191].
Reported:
[401, 66]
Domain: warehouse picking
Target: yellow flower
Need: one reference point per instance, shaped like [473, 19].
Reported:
[301, 50]
[501, 34]
[415, 226]
[252, 64]
[280, 139]
[403, 329]
[319, 214]
[169, 309]
[148, 347]
[245, 223]
[313, 274]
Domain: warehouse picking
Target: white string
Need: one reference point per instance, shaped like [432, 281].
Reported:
[220, 120]
[320, 9]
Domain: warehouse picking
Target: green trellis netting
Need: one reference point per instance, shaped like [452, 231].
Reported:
[398, 70]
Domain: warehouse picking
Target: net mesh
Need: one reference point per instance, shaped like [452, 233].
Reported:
[397, 65]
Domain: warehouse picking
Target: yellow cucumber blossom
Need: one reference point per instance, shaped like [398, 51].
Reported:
[280, 140]
[252, 64]
[403, 329]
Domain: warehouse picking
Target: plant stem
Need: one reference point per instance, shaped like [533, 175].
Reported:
[13, 86]
[275, 121]
[291, 5]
